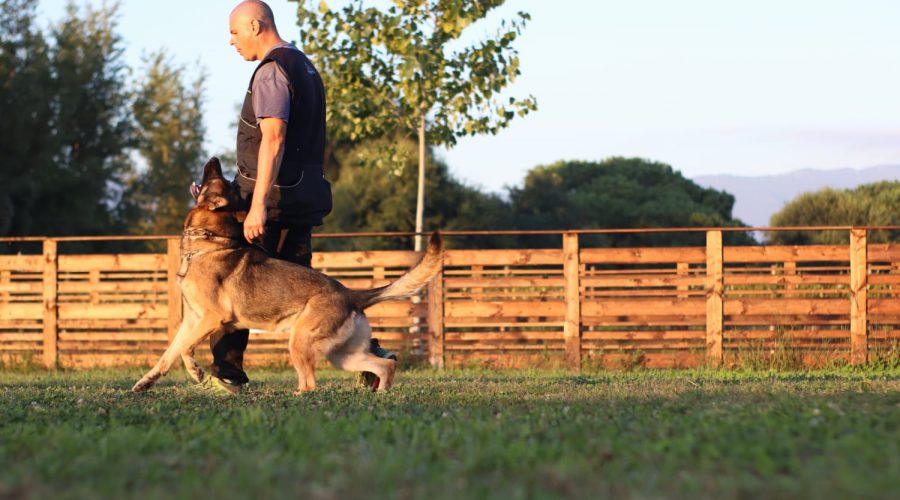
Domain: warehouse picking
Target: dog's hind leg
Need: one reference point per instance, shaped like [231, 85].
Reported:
[384, 369]
[303, 359]
[354, 355]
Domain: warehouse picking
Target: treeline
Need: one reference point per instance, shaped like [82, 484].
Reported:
[613, 193]
[875, 204]
[85, 147]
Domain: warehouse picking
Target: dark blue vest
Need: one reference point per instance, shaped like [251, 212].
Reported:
[301, 194]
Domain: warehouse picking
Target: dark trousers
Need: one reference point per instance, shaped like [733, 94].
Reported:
[290, 243]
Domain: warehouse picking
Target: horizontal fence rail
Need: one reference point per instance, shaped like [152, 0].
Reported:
[569, 306]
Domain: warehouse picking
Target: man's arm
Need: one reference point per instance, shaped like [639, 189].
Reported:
[271, 149]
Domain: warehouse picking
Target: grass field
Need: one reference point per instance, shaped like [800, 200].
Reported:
[455, 434]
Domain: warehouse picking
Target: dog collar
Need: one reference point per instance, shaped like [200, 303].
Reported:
[196, 233]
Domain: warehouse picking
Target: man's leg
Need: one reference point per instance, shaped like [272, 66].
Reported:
[294, 244]
[228, 350]
[228, 357]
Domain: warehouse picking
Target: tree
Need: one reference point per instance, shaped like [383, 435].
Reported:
[63, 145]
[91, 123]
[620, 193]
[368, 198]
[25, 146]
[876, 204]
[169, 137]
[392, 72]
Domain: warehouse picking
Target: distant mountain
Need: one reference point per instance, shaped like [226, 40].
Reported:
[757, 198]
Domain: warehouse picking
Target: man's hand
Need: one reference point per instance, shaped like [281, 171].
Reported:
[255, 223]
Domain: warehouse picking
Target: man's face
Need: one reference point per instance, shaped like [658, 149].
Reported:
[243, 36]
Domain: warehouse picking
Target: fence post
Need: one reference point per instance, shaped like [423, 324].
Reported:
[858, 297]
[572, 325]
[173, 263]
[436, 320]
[715, 286]
[51, 312]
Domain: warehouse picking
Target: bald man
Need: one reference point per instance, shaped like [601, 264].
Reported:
[280, 153]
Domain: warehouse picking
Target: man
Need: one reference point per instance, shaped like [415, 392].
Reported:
[280, 153]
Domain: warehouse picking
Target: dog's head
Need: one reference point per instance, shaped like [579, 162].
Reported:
[219, 207]
[214, 191]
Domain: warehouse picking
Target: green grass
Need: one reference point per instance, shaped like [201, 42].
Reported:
[455, 434]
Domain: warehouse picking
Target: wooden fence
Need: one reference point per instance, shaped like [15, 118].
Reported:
[567, 306]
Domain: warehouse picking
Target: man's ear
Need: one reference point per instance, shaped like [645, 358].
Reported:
[215, 201]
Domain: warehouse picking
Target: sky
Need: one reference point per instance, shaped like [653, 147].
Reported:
[707, 86]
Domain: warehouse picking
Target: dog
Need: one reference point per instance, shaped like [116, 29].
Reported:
[227, 285]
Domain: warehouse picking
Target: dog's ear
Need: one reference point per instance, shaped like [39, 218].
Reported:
[215, 201]
[195, 190]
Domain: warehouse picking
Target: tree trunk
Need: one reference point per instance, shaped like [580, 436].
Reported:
[420, 198]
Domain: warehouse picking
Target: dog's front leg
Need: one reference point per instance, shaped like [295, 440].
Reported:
[187, 354]
[189, 335]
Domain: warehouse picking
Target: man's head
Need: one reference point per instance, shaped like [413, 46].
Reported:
[253, 31]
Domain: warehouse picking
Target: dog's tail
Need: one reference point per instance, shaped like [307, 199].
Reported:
[409, 283]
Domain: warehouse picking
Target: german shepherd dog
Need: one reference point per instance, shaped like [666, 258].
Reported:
[227, 285]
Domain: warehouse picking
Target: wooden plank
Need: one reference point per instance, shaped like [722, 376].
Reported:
[112, 336]
[113, 324]
[784, 253]
[398, 309]
[786, 280]
[858, 297]
[572, 324]
[502, 257]
[673, 255]
[645, 335]
[24, 311]
[785, 306]
[5, 275]
[22, 324]
[508, 346]
[884, 307]
[506, 294]
[618, 345]
[625, 281]
[20, 288]
[21, 346]
[28, 337]
[504, 282]
[112, 311]
[731, 335]
[789, 320]
[436, 335]
[644, 307]
[714, 297]
[884, 279]
[682, 269]
[111, 287]
[371, 259]
[173, 295]
[497, 335]
[51, 314]
[112, 262]
[884, 252]
[650, 293]
[22, 263]
[465, 309]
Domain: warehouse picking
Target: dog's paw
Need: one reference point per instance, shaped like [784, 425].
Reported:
[144, 384]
